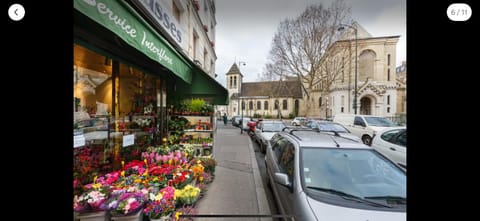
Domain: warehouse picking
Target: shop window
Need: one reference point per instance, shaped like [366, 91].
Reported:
[275, 107]
[259, 105]
[92, 82]
[265, 105]
[250, 105]
[285, 104]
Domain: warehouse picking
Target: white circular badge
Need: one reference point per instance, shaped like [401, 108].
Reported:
[16, 12]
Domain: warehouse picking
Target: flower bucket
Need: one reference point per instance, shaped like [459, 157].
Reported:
[94, 216]
[134, 217]
[163, 218]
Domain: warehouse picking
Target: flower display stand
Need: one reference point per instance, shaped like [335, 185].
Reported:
[134, 217]
[94, 216]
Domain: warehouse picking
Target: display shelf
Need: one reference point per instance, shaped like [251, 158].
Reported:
[196, 130]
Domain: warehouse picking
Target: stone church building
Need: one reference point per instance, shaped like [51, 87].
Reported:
[376, 78]
[262, 99]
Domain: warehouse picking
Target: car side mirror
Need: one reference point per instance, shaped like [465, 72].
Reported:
[282, 179]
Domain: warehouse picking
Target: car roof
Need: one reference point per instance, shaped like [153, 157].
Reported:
[312, 138]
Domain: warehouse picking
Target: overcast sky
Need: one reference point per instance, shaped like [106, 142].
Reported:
[245, 28]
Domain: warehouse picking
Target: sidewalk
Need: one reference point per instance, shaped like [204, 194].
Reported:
[237, 188]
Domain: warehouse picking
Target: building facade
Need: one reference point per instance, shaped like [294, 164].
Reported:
[277, 99]
[188, 25]
[376, 79]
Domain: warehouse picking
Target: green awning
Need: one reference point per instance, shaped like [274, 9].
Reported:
[120, 19]
[203, 86]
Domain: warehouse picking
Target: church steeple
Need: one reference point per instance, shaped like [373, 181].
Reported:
[234, 79]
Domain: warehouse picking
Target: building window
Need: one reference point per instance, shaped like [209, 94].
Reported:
[343, 69]
[205, 58]
[250, 105]
[341, 109]
[285, 104]
[243, 105]
[195, 43]
[388, 99]
[231, 82]
[388, 59]
[275, 107]
[176, 11]
[388, 74]
[388, 109]
[235, 82]
[265, 105]
[343, 100]
[259, 105]
[320, 102]
[366, 63]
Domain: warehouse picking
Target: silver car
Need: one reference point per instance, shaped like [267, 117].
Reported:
[320, 176]
[328, 126]
[265, 130]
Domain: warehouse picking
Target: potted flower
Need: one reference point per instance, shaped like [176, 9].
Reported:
[92, 203]
[124, 205]
[160, 204]
[187, 195]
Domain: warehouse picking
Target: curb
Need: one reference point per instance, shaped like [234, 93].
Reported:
[262, 202]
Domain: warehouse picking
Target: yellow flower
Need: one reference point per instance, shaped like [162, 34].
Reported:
[138, 180]
[158, 197]
[122, 173]
[177, 215]
[96, 186]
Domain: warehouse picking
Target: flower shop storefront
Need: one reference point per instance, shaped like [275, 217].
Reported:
[124, 165]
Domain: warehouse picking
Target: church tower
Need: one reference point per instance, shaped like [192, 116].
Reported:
[234, 87]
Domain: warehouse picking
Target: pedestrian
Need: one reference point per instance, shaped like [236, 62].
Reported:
[225, 118]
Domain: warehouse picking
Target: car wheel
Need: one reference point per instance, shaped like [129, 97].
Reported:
[367, 140]
[294, 124]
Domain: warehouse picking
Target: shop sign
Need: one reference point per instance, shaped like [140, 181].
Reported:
[78, 141]
[128, 140]
[163, 17]
[115, 17]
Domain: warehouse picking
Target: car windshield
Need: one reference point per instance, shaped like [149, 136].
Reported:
[332, 127]
[358, 172]
[273, 127]
[379, 122]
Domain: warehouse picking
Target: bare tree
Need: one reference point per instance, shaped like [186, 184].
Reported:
[305, 47]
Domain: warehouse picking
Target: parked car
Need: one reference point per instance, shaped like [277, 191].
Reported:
[328, 126]
[320, 176]
[265, 130]
[297, 121]
[244, 123]
[236, 121]
[392, 142]
[363, 126]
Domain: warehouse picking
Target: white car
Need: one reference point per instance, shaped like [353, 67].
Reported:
[298, 121]
[392, 142]
[265, 130]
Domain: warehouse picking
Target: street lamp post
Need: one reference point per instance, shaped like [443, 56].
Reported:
[239, 92]
[356, 56]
